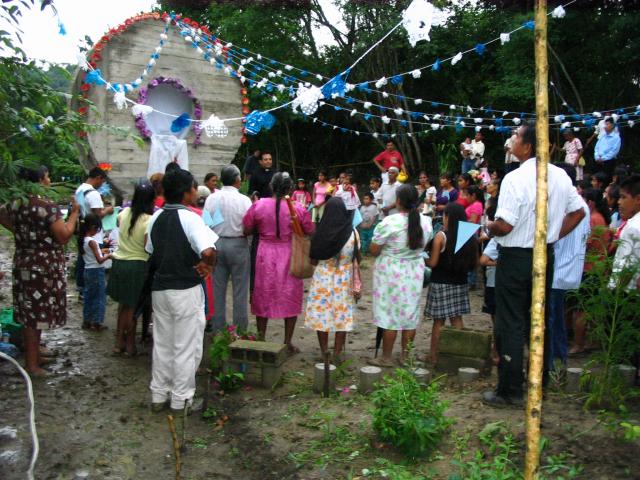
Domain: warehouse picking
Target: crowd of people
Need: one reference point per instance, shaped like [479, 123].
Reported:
[179, 245]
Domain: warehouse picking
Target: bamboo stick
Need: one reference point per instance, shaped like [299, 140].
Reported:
[536, 342]
[176, 445]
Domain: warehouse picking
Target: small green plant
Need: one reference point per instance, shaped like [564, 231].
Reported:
[219, 350]
[210, 413]
[384, 468]
[229, 382]
[610, 310]
[409, 416]
[620, 424]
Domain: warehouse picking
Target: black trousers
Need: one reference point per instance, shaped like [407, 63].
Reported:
[514, 280]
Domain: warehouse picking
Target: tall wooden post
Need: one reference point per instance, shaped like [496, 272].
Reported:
[536, 343]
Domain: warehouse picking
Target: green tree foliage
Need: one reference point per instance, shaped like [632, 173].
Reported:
[36, 127]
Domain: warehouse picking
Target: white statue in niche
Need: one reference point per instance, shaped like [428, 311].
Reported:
[164, 150]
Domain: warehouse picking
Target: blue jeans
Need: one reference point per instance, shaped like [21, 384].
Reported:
[468, 164]
[556, 327]
[95, 296]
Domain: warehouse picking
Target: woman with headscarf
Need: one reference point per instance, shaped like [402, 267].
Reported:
[330, 300]
[276, 293]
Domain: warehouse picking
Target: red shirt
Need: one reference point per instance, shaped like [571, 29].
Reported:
[390, 159]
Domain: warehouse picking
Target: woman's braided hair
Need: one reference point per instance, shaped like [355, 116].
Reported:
[281, 185]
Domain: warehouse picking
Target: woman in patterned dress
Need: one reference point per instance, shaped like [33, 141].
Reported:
[330, 299]
[398, 242]
[39, 281]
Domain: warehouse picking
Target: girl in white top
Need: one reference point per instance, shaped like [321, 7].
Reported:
[94, 292]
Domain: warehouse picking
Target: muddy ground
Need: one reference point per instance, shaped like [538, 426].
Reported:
[92, 415]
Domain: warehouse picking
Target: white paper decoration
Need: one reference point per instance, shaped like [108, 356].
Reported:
[558, 12]
[456, 58]
[385, 119]
[435, 126]
[516, 120]
[398, 111]
[119, 99]
[416, 73]
[478, 128]
[82, 61]
[353, 112]
[381, 82]
[477, 120]
[142, 110]
[418, 19]
[417, 101]
[367, 105]
[504, 38]
[307, 99]
[215, 127]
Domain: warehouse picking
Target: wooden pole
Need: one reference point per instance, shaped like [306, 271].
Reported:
[536, 342]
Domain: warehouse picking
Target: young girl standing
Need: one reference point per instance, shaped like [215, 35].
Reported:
[448, 295]
[94, 292]
[319, 196]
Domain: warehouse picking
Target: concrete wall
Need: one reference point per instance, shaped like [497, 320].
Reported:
[123, 60]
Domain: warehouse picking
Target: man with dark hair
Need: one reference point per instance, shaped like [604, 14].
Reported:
[251, 163]
[607, 148]
[183, 253]
[90, 201]
[514, 229]
[389, 157]
[261, 176]
[211, 181]
[232, 248]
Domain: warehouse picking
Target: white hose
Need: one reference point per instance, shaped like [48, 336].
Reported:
[32, 415]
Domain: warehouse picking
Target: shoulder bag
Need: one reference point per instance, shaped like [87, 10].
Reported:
[300, 265]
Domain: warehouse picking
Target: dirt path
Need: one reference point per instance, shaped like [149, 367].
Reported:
[92, 414]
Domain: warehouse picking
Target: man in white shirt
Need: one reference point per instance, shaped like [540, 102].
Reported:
[626, 264]
[569, 253]
[90, 201]
[511, 162]
[232, 249]
[514, 230]
[477, 150]
[183, 254]
[389, 192]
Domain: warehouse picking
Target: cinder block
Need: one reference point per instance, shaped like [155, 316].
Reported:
[256, 375]
[258, 353]
[465, 342]
[450, 364]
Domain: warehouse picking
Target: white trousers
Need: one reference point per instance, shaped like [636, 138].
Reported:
[178, 331]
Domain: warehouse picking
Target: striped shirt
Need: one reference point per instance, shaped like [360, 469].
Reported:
[517, 204]
[569, 255]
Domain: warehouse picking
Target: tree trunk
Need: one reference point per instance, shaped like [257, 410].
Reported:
[536, 342]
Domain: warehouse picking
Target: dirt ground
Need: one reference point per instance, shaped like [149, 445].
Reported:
[92, 414]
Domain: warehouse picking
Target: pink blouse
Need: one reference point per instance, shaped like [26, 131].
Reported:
[321, 192]
[475, 208]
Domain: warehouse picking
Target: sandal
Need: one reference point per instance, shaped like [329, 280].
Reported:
[380, 362]
[98, 327]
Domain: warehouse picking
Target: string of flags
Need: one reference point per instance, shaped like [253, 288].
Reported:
[307, 97]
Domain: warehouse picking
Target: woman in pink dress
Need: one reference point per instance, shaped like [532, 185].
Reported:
[276, 294]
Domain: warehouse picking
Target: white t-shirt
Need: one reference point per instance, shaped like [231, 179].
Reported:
[88, 201]
[350, 198]
[90, 260]
[628, 252]
[200, 236]
[508, 156]
[389, 196]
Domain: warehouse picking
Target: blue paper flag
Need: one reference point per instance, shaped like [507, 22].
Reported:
[357, 218]
[210, 221]
[180, 123]
[465, 231]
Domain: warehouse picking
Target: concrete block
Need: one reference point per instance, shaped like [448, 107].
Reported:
[627, 374]
[318, 377]
[468, 374]
[258, 353]
[450, 364]
[465, 342]
[369, 376]
[422, 375]
[573, 380]
[271, 375]
[255, 374]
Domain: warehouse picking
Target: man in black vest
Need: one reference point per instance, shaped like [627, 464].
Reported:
[183, 253]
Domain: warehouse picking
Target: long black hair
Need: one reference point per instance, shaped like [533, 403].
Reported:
[475, 193]
[595, 195]
[89, 221]
[466, 258]
[281, 185]
[34, 175]
[407, 197]
[143, 197]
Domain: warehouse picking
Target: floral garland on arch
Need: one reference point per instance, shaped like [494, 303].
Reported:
[177, 84]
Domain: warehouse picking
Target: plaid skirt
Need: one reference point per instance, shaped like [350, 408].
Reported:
[446, 301]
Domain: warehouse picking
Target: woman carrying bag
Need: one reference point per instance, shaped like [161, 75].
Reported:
[276, 293]
[334, 288]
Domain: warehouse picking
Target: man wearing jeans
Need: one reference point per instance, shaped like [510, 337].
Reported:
[607, 148]
[569, 253]
[182, 252]
[232, 248]
[514, 229]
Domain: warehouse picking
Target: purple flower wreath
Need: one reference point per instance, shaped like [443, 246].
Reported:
[175, 83]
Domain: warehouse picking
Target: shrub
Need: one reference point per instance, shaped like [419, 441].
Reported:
[409, 416]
